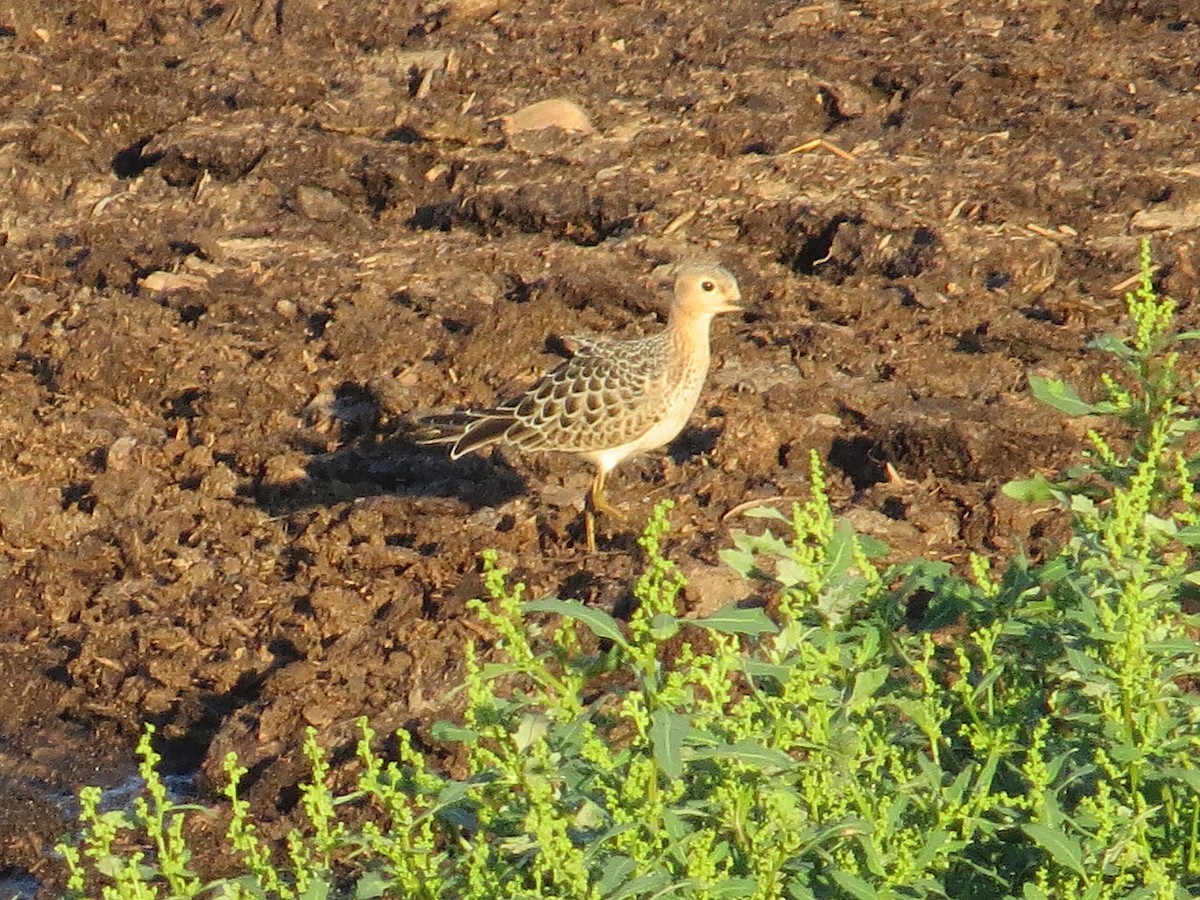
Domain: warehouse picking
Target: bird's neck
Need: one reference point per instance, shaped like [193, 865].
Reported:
[690, 337]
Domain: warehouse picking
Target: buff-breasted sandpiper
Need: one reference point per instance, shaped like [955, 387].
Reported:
[612, 399]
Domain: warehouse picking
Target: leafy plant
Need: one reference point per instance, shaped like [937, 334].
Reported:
[101, 843]
[1124, 809]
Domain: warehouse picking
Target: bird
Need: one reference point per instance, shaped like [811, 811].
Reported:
[612, 399]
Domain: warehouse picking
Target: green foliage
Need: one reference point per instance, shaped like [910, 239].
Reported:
[100, 844]
[1035, 736]
[1117, 651]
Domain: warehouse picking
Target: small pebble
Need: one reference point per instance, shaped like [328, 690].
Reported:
[556, 113]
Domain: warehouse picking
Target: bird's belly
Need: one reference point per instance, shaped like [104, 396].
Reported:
[675, 414]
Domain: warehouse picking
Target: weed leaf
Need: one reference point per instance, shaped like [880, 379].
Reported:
[666, 737]
[866, 684]
[732, 888]
[1061, 396]
[598, 621]
[371, 885]
[642, 886]
[765, 512]
[751, 753]
[615, 875]
[451, 733]
[732, 619]
[741, 561]
[318, 890]
[1031, 490]
[854, 886]
[1190, 777]
[1063, 848]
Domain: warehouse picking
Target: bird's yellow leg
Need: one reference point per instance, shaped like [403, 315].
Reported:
[598, 501]
[589, 529]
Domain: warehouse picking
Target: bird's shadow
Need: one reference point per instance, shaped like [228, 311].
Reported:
[693, 441]
[384, 460]
[378, 459]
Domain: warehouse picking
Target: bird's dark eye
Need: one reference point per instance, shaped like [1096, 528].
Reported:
[707, 286]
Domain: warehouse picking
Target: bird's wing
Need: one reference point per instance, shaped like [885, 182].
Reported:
[602, 396]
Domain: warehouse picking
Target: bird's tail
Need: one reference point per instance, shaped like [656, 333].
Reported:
[467, 431]
[443, 428]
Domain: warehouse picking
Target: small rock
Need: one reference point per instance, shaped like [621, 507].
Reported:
[848, 100]
[198, 459]
[475, 10]
[220, 482]
[319, 204]
[556, 113]
[486, 517]
[798, 19]
[173, 281]
[319, 715]
[120, 453]
[710, 588]
[1169, 217]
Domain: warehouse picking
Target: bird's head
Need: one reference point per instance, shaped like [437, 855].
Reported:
[704, 291]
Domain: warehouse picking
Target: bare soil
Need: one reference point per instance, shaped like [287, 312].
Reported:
[240, 242]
